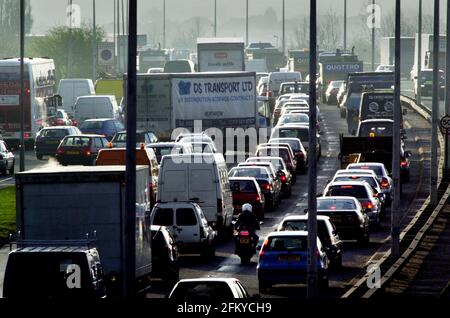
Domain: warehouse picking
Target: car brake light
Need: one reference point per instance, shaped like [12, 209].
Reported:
[346, 187]
[404, 163]
[283, 178]
[370, 206]
[87, 152]
[26, 135]
[244, 233]
[59, 151]
[261, 253]
[258, 198]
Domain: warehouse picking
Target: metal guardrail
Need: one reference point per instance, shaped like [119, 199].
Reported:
[360, 287]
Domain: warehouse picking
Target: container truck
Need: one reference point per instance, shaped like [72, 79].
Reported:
[69, 203]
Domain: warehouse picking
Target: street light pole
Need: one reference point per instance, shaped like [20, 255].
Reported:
[373, 35]
[395, 229]
[345, 25]
[447, 90]
[69, 55]
[419, 56]
[130, 175]
[215, 18]
[284, 29]
[94, 43]
[435, 107]
[246, 23]
[312, 277]
[164, 23]
[22, 85]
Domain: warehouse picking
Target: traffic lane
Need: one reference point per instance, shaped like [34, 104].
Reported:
[30, 163]
[355, 258]
[407, 88]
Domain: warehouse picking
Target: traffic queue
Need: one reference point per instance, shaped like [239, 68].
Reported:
[196, 200]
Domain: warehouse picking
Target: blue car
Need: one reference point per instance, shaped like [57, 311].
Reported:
[283, 259]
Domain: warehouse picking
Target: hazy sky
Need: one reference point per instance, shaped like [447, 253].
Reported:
[184, 9]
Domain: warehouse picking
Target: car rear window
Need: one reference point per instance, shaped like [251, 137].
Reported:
[369, 180]
[186, 217]
[250, 172]
[332, 204]
[54, 133]
[302, 134]
[377, 169]
[242, 186]
[77, 142]
[287, 243]
[202, 290]
[356, 191]
[274, 152]
[91, 125]
[163, 217]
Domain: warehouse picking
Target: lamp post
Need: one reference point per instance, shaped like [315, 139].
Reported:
[435, 107]
[22, 85]
[345, 25]
[164, 23]
[246, 23]
[215, 18]
[284, 29]
[94, 43]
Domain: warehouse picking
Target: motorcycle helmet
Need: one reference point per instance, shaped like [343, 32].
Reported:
[247, 207]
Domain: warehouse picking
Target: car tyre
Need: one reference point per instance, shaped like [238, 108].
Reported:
[39, 157]
[323, 283]
[364, 239]
[3, 172]
[11, 170]
[209, 252]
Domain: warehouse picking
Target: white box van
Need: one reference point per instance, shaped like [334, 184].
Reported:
[202, 178]
[278, 78]
[96, 106]
[72, 88]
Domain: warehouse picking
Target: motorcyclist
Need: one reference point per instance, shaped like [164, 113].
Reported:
[249, 220]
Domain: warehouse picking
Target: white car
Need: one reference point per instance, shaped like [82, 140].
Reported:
[380, 170]
[188, 225]
[208, 289]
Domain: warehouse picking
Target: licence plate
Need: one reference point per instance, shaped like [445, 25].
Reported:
[289, 258]
[71, 152]
[244, 240]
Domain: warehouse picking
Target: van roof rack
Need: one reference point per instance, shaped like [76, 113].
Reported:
[20, 243]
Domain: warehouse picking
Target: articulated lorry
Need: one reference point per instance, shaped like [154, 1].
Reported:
[220, 54]
[209, 100]
[69, 203]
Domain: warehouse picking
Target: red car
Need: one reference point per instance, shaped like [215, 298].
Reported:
[247, 190]
[80, 149]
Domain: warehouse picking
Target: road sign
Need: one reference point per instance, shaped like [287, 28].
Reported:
[106, 53]
[445, 125]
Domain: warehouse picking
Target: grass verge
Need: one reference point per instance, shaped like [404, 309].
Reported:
[7, 213]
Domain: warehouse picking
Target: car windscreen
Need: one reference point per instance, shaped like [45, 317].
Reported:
[162, 151]
[294, 144]
[333, 204]
[242, 186]
[287, 244]
[356, 191]
[76, 142]
[202, 290]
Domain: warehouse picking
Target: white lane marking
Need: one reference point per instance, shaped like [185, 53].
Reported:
[7, 179]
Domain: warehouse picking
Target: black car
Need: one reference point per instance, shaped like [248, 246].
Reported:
[49, 138]
[164, 255]
[107, 127]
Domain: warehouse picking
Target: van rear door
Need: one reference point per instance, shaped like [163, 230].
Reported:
[187, 227]
[203, 188]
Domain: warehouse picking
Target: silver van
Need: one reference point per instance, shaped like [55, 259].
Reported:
[96, 106]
